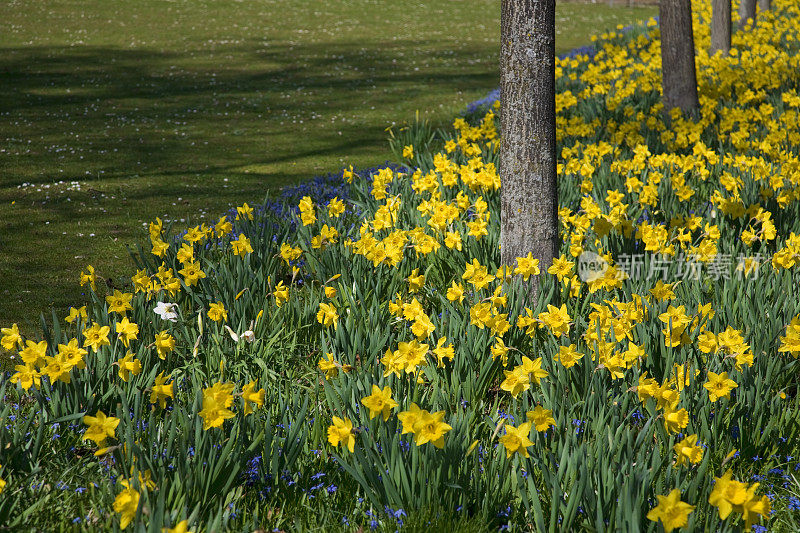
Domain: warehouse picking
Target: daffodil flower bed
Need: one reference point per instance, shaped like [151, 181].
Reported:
[374, 337]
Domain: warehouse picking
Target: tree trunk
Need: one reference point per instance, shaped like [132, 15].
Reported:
[529, 194]
[747, 10]
[720, 26]
[678, 74]
[764, 5]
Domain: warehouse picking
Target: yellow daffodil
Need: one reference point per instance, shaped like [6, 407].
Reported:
[568, 356]
[127, 331]
[341, 432]
[675, 419]
[161, 390]
[35, 352]
[78, 312]
[252, 397]
[281, 294]
[217, 312]
[96, 336]
[426, 427]
[180, 527]
[541, 418]
[416, 281]
[129, 366]
[164, 343]
[335, 207]
[57, 369]
[101, 427]
[89, 277]
[727, 494]
[516, 439]
[26, 376]
[671, 511]
[244, 211]
[11, 337]
[241, 246]
[216, 400]
[222, 227]
[688, 450]
[327, 315]
[719, 386]
[119, 302]
[126, 504]
[380, 402]
[307, 214]
[192, 274]
[527, 266]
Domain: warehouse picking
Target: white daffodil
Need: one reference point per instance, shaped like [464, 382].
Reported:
[167, 311]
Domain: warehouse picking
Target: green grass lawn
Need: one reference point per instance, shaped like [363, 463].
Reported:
[113, 113]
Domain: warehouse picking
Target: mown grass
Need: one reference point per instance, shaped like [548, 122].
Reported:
[181, 109]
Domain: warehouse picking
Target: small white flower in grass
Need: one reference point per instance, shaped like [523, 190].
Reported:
[167, 311]
[249, 336]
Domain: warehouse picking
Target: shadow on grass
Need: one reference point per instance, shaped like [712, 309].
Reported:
[141, 111]
[149, 133]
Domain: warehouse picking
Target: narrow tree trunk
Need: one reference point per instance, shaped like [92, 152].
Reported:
[720, 26]
[747, 10]
[678, 74]
[764, 5]
[529, 195]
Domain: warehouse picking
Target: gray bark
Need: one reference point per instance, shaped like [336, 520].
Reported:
[747, 10]
[764, 5]
[678, 71]
[720, 26]
[529, 194]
